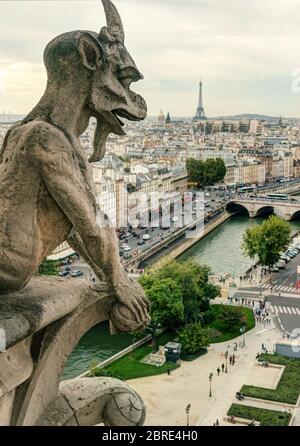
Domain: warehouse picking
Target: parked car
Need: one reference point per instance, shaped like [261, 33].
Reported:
[76, 273]
[141, 242]
[281, 264]
[127, 256]
[146, 237]
[127, 248]
[66, 268]
[63, 273]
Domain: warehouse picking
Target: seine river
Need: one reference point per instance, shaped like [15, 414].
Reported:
[221, 250]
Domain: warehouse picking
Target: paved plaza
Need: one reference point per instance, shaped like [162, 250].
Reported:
[166, 397]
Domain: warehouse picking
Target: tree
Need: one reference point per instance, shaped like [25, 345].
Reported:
[182, 285]
[206, 173]
[193, 338]
[267, 241]
[48, 268]
[195, 171]
[232, 317]
[167, 307]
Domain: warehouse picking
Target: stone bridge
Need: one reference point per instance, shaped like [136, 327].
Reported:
[287, 210]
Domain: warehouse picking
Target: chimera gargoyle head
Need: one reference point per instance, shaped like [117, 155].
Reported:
[102, 70]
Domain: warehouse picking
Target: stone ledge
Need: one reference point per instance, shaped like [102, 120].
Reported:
[43, 301]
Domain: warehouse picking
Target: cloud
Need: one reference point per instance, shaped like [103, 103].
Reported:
[244, 51]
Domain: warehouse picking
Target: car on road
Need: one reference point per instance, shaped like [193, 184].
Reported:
[76, 273]
[63, 273]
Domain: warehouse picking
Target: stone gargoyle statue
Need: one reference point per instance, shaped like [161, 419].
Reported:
[47, 194]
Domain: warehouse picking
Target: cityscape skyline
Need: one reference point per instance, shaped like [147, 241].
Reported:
[245, 55]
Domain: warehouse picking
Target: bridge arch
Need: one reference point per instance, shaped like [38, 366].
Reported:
[264, 211]
[296, 215]
[236, 208]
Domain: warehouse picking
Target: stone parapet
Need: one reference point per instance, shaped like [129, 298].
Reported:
[40, 327]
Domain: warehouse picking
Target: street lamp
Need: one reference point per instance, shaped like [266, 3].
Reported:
[226, 357]
[187, 411]
[243, 330]
[210, 380]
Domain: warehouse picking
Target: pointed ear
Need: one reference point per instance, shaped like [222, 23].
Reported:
[90, 51]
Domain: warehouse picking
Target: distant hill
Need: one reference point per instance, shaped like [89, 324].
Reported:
[249, 116]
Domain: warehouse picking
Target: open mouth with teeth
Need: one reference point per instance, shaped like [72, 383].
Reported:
[118, 114]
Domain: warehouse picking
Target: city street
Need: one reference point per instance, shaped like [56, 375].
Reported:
[286, 314]
[282, 295]
[212, 202]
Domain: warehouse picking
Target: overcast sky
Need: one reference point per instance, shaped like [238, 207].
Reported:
[245, 51]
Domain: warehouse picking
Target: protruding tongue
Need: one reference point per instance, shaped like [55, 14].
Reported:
[103, 129]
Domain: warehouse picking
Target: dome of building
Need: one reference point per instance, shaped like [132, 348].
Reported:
[161, 117]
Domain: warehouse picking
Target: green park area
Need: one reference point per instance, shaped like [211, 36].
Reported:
[287, 391]
[131, 366]
[288, 388]
[226, 320]
[181, 301]
[263, 416]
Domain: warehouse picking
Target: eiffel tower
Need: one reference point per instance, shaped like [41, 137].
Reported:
[200, 113]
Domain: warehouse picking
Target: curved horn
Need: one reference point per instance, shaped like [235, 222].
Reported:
[113, 20]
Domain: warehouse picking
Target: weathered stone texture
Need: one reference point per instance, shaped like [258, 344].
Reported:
[47, 196]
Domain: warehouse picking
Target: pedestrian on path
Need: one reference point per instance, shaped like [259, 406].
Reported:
[223, 367]
[217, 423]
[218, 371]
[233, 359]
[230, 360]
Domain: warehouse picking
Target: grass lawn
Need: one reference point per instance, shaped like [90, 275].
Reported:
[288, 388]
[264, 416]
[226, 335]
[130, 367]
